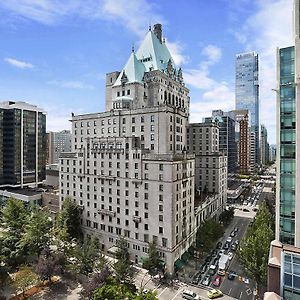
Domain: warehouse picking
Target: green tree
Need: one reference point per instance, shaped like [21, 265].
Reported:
[152, 263]
[69, 218]
[14, 215]
[113, 290]
[226, 216]
[254, 248]
[37, 231]
[122, 267]
[13, 220]
[208, 233]
[87, 256]
[24, 278]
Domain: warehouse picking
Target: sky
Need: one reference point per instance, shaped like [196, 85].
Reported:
[55, 53]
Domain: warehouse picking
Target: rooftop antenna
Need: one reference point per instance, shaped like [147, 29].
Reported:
[149, 25]
[132, 48]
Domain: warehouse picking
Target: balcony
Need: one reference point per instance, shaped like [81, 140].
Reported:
[137, 219]
[106, 212]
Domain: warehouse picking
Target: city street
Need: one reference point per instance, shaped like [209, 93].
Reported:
[164, 292]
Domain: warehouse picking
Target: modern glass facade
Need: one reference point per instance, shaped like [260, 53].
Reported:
[287, 113]
[22, 145]
[247, 91]
[290, 276]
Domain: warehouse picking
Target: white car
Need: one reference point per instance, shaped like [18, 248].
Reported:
[230, 255]
[229, 239]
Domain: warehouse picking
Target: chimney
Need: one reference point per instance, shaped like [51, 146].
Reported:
[157, 30]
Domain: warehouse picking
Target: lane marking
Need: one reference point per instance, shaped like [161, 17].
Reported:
[229, 291]
[157, 287]
[162, 291]
[241, 295]
[176, 294]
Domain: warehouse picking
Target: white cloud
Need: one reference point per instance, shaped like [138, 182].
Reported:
[71, 84]
[213, 53]
[18, 63]
[134, 14]
[176, 51]
[265, 30]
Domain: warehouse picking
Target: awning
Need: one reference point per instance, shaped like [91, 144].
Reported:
[178, 264]
[191, 250]
[113, 250]
[186, 256]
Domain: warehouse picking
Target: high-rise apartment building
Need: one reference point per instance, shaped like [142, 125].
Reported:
[264, 145]
[284, 260]
[247, 92]
[128, 169]
[243, 139]
[57, 142]
[210, 166]
[22, 144]
[227, 141]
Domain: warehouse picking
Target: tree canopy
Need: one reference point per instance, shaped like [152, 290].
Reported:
[69, 218]
[254, 248]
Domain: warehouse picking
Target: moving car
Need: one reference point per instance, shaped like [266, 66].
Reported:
[214, 294]
[232, 275]
[217, 281]
[206, 280]
[190, 295]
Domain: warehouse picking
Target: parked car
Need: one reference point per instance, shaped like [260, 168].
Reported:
[217, 281]
[222, 251]
[190, 295]
[219, 245]
[232, 275]
[214, 252]
[237, 242]
[229, 239]
[206, 280]
[232, 234]
[214, 294]
[236, 229]
[203, 268]
[230, 255]
[233, 247]
[226, 246]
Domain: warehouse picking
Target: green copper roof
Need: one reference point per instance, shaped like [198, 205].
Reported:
[134, 70]
[151, 55]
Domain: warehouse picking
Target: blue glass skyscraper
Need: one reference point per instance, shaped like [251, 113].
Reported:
[247, 91]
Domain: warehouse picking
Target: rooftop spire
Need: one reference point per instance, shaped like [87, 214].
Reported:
[132, 48]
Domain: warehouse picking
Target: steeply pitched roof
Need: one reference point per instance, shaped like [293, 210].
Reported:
[151, 55]
[134, 70]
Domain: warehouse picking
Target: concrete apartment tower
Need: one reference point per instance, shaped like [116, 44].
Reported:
[247, 96]
[284, 260]
[57, 142]
[128, 169]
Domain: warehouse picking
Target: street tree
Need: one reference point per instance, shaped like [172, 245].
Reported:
[86, 254]
[208, 233]
[122, 267]
[13, 220]
[36, 235]
[152, 263]
[226, 216]
[254, 248]
[69, 218]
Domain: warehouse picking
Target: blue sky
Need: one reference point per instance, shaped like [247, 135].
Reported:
[55, 53]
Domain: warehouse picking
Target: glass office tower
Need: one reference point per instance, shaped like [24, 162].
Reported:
[284, 259]
[22, 144]
[247, 91]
